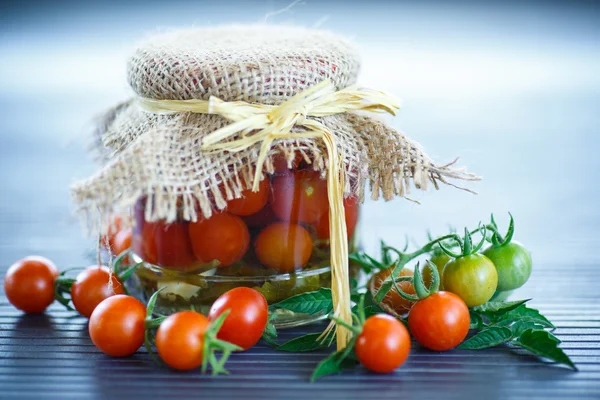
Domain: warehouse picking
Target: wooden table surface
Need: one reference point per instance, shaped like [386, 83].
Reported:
[511, 88]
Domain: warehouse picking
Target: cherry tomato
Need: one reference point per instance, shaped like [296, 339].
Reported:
[108, 239]
[122, 241]
[223, 237]
[92, 286]
[117, 325]
[283, 246]
[180, 340]
[29, 284]
[280, 162]
[173, 245]
[392, 299]
[440, 321]
[473, 278]
[300, 197]
[513, 264]
[247, 319]
[264, 217]
[144, 242]
[250, 202]
[439, 260]
[350, 213]
[383, 344]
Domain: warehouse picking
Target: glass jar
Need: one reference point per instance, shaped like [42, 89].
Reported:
[275, 240]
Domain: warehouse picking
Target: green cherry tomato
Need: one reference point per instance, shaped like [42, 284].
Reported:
[501, 295]
[473, 278]
[513, 263]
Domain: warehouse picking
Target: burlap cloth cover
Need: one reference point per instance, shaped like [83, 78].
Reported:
[161, 155]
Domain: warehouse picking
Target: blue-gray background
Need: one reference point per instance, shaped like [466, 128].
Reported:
[511, 87]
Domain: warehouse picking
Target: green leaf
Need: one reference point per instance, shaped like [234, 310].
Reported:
[520, 326]
[318, 302]
[489, 337]
[476, 320]
[543, 344]
[386, 259]
[309, 342]
[499, 307]
[333, 364]
[524, 313]
[370, 307]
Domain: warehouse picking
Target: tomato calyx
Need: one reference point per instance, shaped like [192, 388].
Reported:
[497, 239]
[466, 243]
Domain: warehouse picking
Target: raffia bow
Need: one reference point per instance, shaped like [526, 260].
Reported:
[261, 123]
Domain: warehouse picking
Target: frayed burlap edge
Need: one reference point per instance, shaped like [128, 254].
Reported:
[160, 157]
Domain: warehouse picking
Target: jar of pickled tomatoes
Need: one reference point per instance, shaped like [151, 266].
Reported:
[275, 240]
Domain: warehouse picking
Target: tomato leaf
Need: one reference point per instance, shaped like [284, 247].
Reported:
[489, 337]
[499, 307]
[370, 307]
[318, 302]
[305, 343]
[524, 313]
[520, 326]
[476, 320]
[543, 344]
[333, 364]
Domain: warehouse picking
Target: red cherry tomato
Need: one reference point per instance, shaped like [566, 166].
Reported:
[29, 284]
[143, 242]
[300, 197]
[117, 325]
[92, 286]
[440, 321]
[108, 239]
[122, 241]
[280, 162]
[350, 213]
[264, 217]
[247, 318]
[180, 340]
[283, 246]
[250, 202]
[383, 344]
[173, 245]
[223, 237]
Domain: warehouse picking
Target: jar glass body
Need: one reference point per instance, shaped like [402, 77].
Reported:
[275, 240]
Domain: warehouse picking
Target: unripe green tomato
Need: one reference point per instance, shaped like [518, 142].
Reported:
[473, 278]
[513, 263]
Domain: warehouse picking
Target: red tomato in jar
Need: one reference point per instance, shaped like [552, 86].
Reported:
[29, 284]
[107, 240]
[173, 245]
[250, 202]
[92, 286]
[283, 246]
[350, 213]
[223, 237]
[247, 318]
[264, 217]
[122, 241]
[280, 162]
[144, 242]
[300, 197]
